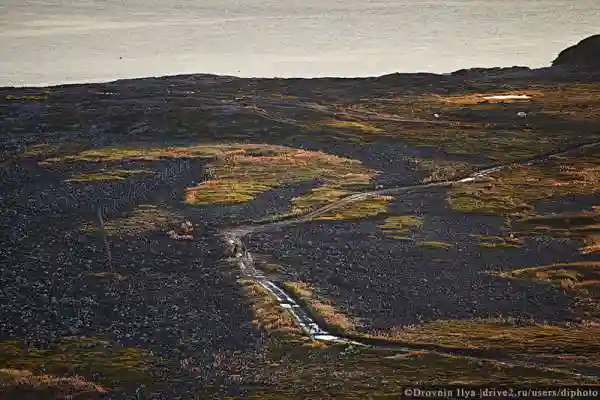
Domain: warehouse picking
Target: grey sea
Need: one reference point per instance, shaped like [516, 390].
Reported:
[48, 42]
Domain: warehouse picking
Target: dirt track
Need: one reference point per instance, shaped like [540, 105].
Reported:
[306, 319]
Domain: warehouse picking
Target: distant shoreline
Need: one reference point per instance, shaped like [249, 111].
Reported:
[496, 73]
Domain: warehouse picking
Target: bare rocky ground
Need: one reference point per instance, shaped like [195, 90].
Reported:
[167, 297]
[393, 283]
[178, 301]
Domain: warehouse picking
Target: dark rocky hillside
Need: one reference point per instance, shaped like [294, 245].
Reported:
[584, 55]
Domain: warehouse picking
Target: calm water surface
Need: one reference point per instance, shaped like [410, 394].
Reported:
[45, 42]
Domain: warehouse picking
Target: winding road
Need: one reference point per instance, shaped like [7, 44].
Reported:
[243, 259]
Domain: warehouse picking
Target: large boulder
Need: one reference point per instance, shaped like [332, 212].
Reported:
[584, 55]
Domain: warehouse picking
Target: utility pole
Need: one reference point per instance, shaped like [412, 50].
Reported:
[105, 239]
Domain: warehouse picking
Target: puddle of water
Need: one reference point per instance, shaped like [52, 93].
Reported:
[328, 338]
[508, 97]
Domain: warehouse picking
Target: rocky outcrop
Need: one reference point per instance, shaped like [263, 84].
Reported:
[186, 232]
[585, 55]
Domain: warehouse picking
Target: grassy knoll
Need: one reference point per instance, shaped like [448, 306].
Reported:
[72, 361]
[469, 99]
[574, 101]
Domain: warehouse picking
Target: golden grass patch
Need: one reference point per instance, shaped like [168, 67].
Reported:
[504, 335]
[323, 308]
[498, 241]
[148, 152]
[442, 170]
[359, 209]
[316, 198]
[584, 276]
[583, 226]
[434, 244]
[241, 175]
[399, 225]
[354, 125]
[50, 149]
[592, 244]
[268, 314]
[145, 217]
[109, 175]
[513, 192]
[559, 346]
[571, 101]
[111, 364]
[24, 384]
